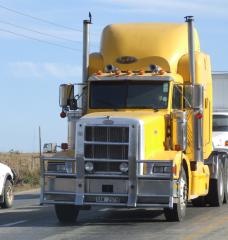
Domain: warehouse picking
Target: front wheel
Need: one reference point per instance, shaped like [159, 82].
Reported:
[177, 213]
[67, 213]
[8, 195]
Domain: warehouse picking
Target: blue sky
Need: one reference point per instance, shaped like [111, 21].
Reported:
[31, 71]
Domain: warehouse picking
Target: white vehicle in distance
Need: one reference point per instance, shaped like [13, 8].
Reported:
[220, 130]
[7, 178]
[220, 110]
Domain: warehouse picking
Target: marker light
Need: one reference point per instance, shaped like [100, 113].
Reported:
[199, 115]
[226, 143]
[129, 72]
[174, 169]
[117, 72]
[64, 146]
[99, 72]
[62, 114]
[161, 72]
[141, 72]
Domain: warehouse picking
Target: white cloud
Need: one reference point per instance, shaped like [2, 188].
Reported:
[45, 70]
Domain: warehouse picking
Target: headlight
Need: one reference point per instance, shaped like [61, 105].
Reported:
[60, 168]
[124, 167]
[89, 166]
[56, 167]
[162, 169]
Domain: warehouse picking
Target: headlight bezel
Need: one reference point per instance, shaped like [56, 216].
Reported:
[60, 167]
[162, 169]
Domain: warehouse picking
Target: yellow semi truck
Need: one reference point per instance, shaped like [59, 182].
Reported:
[141, 136]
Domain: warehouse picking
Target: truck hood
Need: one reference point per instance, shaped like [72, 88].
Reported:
[152, 126]
[145, 116]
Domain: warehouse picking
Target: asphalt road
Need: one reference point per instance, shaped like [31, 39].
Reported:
[29, 221]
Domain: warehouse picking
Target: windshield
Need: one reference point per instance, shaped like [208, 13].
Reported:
[129, 94]
[220, 123]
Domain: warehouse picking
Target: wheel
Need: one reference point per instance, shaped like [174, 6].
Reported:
[226, 183]
[216, 189]
[66, 213]
[198, 202]
[177, 213]
[8, 195]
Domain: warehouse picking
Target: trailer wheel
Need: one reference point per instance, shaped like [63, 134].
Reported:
[8, 195]
[177, 213]
[226, 183]
[66, 213]
[216, 191]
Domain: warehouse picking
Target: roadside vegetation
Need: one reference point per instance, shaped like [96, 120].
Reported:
[26, 166]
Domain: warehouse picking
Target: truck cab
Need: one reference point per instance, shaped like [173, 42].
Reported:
[144, 138]
[7, 177]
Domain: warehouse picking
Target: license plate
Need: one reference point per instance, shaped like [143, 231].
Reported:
[103, 199]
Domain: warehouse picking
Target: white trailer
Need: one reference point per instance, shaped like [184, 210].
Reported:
[7, 177]
[220, 110]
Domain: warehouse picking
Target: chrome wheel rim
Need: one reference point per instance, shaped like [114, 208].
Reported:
[221, 186]
[183, 193]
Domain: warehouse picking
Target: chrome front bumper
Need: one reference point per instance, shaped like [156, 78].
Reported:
[83, 189]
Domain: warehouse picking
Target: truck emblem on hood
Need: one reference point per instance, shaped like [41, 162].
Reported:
[126, 59]
[108, 120]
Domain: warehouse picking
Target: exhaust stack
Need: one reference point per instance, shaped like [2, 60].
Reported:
[197, 95]
[191, 48]
[73, 116]
[85, 60]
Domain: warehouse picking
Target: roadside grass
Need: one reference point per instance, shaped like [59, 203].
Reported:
[26, 166]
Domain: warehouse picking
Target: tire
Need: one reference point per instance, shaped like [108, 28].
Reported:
[8, 195]
[66, 213]
[216, 189]
[178, 212]
[226, 183]
[198, 202]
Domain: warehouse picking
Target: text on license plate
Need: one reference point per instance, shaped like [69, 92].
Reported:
[103, 199]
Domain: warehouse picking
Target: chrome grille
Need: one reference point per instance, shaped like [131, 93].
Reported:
[107, 134]
[107, 143]
[102, 151]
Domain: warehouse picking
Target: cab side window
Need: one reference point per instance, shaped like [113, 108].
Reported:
[177, 97]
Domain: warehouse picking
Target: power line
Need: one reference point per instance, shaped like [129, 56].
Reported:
[39, 40]
[39, 32]
[39, 19]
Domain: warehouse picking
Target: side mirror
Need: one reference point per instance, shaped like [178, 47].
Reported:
[66, 97]
[193, 96]
[50, 148]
